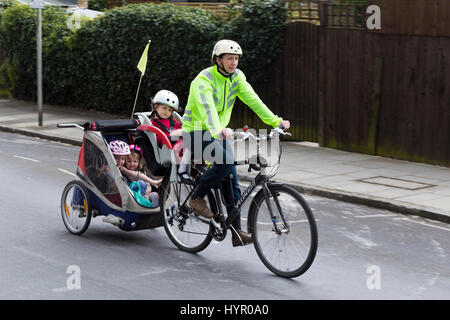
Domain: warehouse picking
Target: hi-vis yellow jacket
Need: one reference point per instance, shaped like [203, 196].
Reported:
[211, 99]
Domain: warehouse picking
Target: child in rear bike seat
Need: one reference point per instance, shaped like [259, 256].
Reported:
[164, 103]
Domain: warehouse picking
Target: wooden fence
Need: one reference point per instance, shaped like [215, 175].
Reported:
[387, 92]
[414, 17]
[383, 92]
[293, 86]
[306, 11]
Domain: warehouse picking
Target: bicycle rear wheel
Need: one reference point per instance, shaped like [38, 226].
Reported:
[186, 229]
[290, 251]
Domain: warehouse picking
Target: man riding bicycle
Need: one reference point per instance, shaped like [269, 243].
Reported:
[211, 98]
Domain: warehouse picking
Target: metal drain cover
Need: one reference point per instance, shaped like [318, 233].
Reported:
[397, 183]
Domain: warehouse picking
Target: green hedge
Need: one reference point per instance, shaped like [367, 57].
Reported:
[109, 48]
[98, 5]
[18, 30]
[95, 66]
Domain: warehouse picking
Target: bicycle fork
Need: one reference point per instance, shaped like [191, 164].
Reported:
[273, 216]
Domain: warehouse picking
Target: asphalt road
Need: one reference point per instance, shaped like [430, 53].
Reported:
[363, 253]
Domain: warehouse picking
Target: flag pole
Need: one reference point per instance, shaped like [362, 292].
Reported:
[142, 65]
[132, 113]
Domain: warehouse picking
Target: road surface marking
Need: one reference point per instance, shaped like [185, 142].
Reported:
[423, 223]
[67, 172]
[24, 158]
[378, 215]
[290, 222]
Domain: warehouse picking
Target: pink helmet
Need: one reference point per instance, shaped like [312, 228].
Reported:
[119, 148]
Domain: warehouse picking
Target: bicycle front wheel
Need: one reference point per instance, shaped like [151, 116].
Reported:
[287, 244]
[185, 228]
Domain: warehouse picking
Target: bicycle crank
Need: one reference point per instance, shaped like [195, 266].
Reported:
[218, 232]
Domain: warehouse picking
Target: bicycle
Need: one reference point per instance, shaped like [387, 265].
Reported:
[281, 222]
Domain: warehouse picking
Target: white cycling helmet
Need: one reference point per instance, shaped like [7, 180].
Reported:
[167, 97]
[226, 46]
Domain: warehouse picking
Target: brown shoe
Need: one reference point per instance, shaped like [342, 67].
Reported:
[241, 238]
[199, 205]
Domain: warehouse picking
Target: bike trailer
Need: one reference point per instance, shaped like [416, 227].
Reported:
[96, 167]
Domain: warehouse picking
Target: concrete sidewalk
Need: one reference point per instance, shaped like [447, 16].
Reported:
[402, 186]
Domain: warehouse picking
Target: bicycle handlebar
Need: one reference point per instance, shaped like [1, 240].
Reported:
[69, 125]
[243, 136]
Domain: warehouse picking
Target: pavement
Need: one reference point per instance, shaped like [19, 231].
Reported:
[401, 186]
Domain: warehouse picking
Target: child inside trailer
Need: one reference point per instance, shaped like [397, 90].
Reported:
[137, 179]
[138, 182]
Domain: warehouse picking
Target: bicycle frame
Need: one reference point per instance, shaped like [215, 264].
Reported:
[260, 179]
